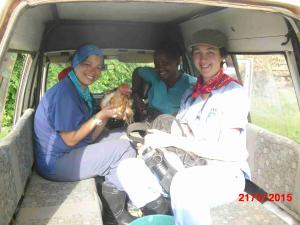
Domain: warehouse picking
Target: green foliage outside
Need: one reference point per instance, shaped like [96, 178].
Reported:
[280, 116]
[273, 102]
[14, 82]
[53, 71]
[115, 74]
[12, 92]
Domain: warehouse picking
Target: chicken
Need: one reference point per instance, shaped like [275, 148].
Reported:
[120, 99]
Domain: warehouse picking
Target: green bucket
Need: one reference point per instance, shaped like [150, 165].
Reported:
[154, 220]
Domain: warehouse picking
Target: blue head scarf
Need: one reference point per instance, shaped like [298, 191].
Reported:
[80, 55]
[84, 52]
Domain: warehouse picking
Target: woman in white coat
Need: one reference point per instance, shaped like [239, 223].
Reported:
[213, 114]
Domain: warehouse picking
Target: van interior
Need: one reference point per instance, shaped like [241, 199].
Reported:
[264, 47]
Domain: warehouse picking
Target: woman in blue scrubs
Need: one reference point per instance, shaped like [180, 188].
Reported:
[71, 143]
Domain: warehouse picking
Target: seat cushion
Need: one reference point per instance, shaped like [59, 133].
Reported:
[54, 203]
[8, 190]
[16, 159]
[244, 213]
[275, 165]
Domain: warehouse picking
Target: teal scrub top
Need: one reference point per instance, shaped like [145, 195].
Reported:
[159, 96]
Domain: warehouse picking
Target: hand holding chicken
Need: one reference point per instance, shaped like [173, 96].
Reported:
[120, 101]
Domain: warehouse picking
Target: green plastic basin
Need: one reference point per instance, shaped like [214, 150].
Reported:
[154, 220]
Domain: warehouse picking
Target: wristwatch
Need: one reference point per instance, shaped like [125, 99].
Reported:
[97, 121]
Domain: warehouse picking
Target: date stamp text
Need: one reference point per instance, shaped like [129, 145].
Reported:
[271, 197]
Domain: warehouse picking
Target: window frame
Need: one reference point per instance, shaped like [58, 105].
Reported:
[293, 72]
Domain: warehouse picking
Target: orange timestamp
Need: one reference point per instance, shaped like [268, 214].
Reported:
[271, 197]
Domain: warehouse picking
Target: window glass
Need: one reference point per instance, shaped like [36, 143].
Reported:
[53, 71]
[116, 73]
[10, 75]
[273, 100]
[229, 68]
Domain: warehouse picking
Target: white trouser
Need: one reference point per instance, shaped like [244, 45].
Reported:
[138, 181]
[193, 191]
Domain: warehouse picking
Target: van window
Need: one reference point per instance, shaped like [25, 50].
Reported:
[229, 68]
[53, 71]
[273, 100]
[116, 73]
[10, 76]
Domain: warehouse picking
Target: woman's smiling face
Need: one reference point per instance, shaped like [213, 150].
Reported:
[89, 70]
[207, 59]
[165, 66]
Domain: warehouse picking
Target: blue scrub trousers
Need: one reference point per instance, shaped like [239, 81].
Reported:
[98, 159]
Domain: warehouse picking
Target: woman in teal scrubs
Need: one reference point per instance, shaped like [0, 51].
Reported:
[167, 83]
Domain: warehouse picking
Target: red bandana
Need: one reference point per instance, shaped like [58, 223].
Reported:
[64, 73]
[218, 81]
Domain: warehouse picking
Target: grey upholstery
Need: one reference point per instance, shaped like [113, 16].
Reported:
[244, 213]
[275, 165]
[16, 159]
[45, 202]
[8, 197]
[67, 203]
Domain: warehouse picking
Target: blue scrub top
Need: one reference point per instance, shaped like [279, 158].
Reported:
[159, 96]
[61, 109]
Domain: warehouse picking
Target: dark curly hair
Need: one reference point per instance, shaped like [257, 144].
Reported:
[169, 48]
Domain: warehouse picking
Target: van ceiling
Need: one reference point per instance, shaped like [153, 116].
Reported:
[135, 25]
[142, 18]
[131, 11]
